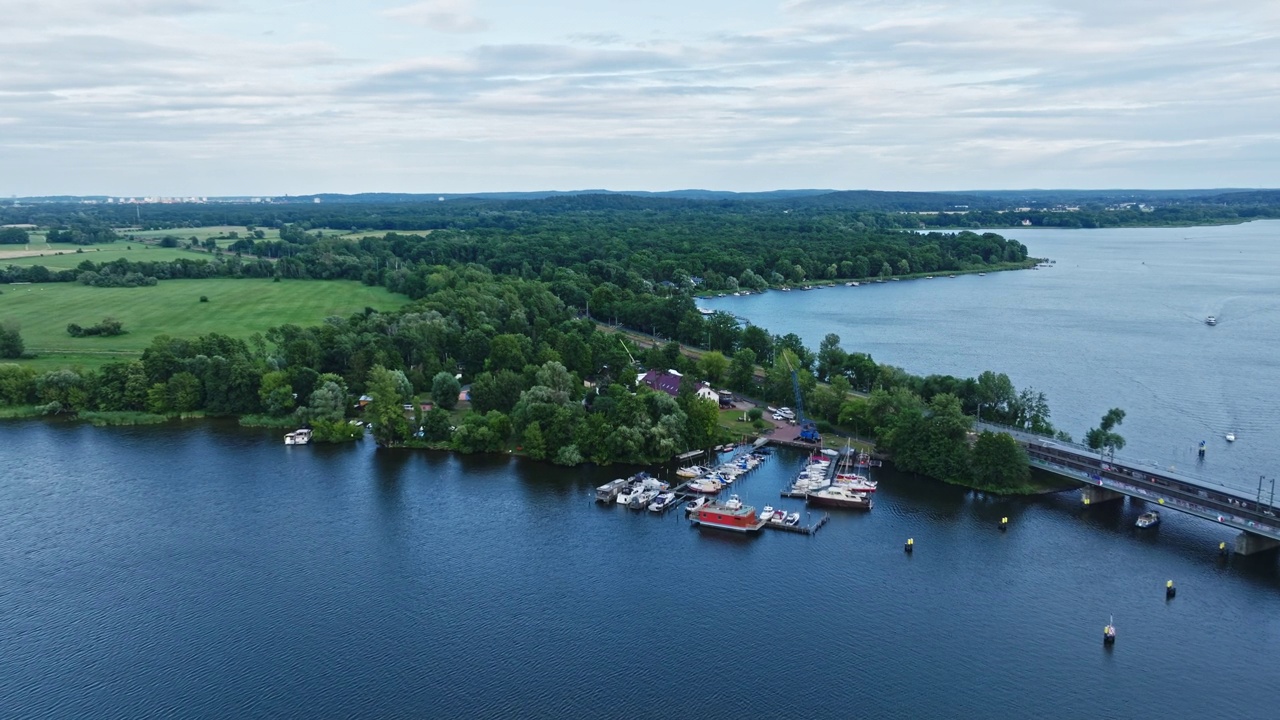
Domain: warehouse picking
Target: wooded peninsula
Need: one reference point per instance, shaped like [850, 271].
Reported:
[520, 302]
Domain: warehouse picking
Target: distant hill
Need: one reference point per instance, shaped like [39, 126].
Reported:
[692, 194]
[895, 201]
[1246, 197]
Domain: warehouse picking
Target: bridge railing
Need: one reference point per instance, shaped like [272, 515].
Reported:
[1170, 471]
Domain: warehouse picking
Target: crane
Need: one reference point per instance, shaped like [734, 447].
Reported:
[808, 429]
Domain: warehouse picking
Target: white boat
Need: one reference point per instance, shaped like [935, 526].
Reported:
[661, 502]
[643, 498]
[767, 513]
[1231, 437]
[1148, 519]
[692, 471]
[1211, 320]
[298, 437]
[694, 505]
[624, 497]
[793, 519]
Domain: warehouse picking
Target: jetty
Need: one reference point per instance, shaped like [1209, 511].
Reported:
[810, 529]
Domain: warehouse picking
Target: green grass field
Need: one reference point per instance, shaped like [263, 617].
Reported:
[60, 256]
[199, 233]
[237, 308]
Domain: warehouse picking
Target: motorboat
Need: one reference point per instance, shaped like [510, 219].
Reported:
[1148, 519]
[793, 519]
[1211, 320]
[767, 513]
[840, 497]
[298, 437]
[692, 471]
[661, 502]
[1231, 437]
[695, 505]
[643, 498]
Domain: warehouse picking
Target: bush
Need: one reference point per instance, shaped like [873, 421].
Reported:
[204, 298]
[755, 414]
[107, 328]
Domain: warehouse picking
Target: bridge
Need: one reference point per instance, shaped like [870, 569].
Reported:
[1106, 477]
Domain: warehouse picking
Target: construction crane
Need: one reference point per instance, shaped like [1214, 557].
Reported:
[808, 429]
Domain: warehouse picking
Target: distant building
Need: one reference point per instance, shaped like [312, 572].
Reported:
[667, 381]
[707, 393]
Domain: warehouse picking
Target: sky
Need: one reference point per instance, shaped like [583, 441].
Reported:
[255, 97]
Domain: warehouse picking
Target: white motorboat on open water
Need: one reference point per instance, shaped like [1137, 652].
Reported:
[1231, 437]
[1211, 320]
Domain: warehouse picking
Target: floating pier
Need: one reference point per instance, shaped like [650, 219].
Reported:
[800, 529]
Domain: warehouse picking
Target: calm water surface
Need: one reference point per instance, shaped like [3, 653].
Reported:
[1118, 321]
[207, 571]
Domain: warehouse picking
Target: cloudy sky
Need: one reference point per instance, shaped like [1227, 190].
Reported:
[208, 97]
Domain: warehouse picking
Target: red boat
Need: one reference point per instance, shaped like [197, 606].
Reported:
[729, 515]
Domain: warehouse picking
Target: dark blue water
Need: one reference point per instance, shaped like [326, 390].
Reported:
[1118, 321]
[207, 571]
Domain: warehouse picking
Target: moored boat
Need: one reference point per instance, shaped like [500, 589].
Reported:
[694, 505]
[661, 502]
[793, 519]
[608, 492]
[840, 497]
[298, 437]
[728, 515]
[692, 471]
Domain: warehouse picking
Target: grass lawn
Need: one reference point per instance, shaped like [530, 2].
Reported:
[236, 307]
[65, 257]
[200, 233]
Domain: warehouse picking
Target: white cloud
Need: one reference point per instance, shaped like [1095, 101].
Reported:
[180, 96]
[449, 16]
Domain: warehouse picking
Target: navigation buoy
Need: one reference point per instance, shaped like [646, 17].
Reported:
[1170, 590]
[1004, 524]
[910, 546]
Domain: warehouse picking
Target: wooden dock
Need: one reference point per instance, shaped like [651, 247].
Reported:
[800, 529]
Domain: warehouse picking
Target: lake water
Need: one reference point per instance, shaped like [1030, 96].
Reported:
[203, 570]
[1118, 321]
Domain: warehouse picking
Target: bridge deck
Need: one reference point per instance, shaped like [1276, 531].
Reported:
[1179, 491]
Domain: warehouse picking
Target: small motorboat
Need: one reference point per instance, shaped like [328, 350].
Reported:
[767, 513]
[1231, 437]
[1109, 633]
[694, 505]
[660, 503]
[1148, 519]
[793, 519]
[1211, 320]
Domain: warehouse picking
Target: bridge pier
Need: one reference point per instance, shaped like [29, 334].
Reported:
[1092, 495]
[1248, 543]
